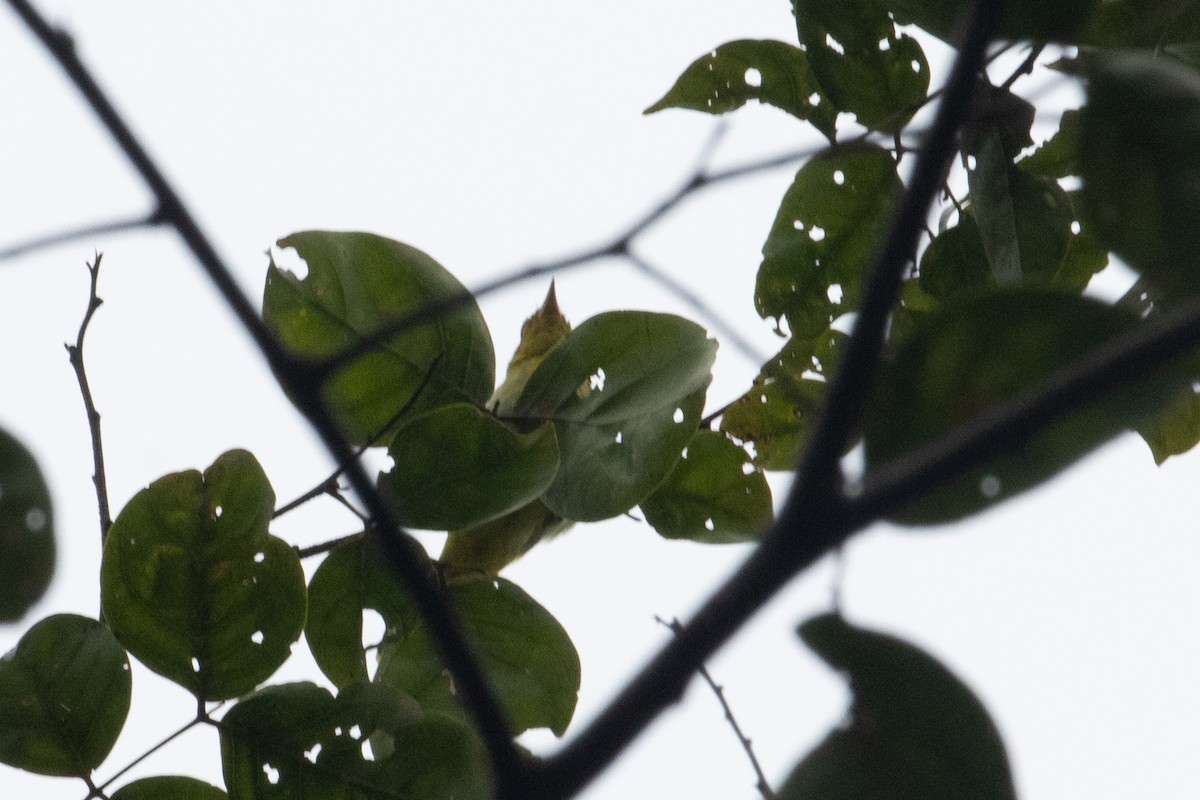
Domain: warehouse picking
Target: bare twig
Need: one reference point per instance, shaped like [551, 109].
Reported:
[325, 547]
[762, 784]
[75, 356]
[86, 232]
[166, 741]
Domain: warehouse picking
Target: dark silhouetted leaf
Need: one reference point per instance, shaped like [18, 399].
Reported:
[914, 731]
[64, 696]
[355, 282]
[1058, 156]
[194, 585]
[829, 226]
[1141, 23]
[169, 787]
[526, 654]
[971, 356]
[625, 392]
[712, 495]
[458, 466]
[954, 263]
[860, 61]
[771, 72]
[26, 530]
[1060, 21]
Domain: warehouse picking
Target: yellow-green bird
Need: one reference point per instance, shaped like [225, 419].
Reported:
[488, 548]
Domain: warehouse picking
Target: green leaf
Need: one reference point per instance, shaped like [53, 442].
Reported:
[1176, 430]
[526, 654]
[297, 740]
[355, 283]
[488, 548]
[26, 530]
[1058, 156]
[998, 112]
[776, 419]
[458, 466]
[712, 495]
[625, 391]
[771, 72]
[1141, 23]
[1060, 21]
[64, 696]
[860, 61]
[195, 587]
[1024, 222]
[914, 732]
[826, 234]
[955, 264]
[1139, 157]
[169, 787]
[968, 357]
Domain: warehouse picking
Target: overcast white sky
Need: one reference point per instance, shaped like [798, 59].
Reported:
[491, 137]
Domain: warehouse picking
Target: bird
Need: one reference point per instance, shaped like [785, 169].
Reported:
[483, 550]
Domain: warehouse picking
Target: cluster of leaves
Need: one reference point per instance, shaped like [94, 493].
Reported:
[596, 420]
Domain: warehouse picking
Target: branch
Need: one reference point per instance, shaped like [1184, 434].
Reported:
[762, 784]
[303, 383]
[814, 520]
[88, 231]
[75, 356]
[325, 547]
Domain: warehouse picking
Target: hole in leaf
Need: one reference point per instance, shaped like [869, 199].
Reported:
[884, 45]
[1075, 227]
[35, 519]
[839, 177]
[260, 557]
[753, 78]
[834, 45]
[684, 453]
[290, 260]
[814, 99]
[218, 511]
[356, 731]
[709, 525]
[817, 233]
[916, 66]
[374, 629]
[617, 439]
[834, 293]
[597, 380]
[271, 773]
[747, 469]
[971, 163]
[312, 753]
[337, 731]
[677, 417]
[195, 664]
[257, 637]
[367, 754]
[989, 486]
[798, 224]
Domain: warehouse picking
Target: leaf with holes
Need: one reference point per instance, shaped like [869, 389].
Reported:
[713, 495]
[64, 696]
[771, 72]
[966, 358]
[861, 62]
[370, 743]
[1024, 221]
[625, 391]
[526, 654]
[26, 530]
[914, 731]
[355, 283]
[169, 787]
[829, 226]
[457, 466]
[195, 587]
[776, 418]
[1139, 157]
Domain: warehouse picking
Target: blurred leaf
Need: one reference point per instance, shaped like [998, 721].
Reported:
[356, 282]
[26, 530]
[955, 264]
[625, 392]
[528, 658]
[526, 654]
[1142, 23]
[1024, 222]
[914, 732]
[195, 587]
[771, 72]
[1057, 157]
[169, 787]
[996, 111]
[64, 696]
[457, 466]
[1139, 157]
[860, 61]
[488, 548]
[1176, 430]
[969, 357]
[712, 495]
[296, 740]
[826, 234]
[1060, 21]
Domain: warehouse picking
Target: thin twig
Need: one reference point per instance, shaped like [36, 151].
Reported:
[303, 384]
[86, 232]
[325, 547]
[1025, 67]
[814, 519]
[762, 784]
[75, 356]
[170, 738]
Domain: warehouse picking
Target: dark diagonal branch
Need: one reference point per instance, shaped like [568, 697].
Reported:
[814, 520]
[303, 384]
[86, 232]
[75, 356]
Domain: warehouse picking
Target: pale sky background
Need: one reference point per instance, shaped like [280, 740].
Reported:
[493, 137]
